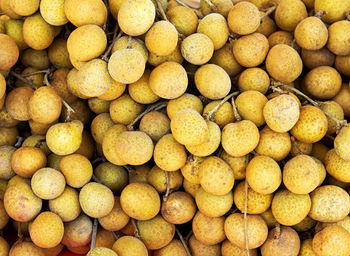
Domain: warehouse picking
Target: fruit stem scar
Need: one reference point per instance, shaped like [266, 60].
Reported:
[165, 198]
[183, 242]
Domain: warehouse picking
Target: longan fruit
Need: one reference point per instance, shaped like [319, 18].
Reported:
[221, 6]
[48, 183]
[174, 248]
[4, 246]
[329, 204]
[109, 144]
[35, 58]
[289, 13]
[223, 116]
[251, 50]
[4, 218]
[337, 166]
[85, 12]
[342, 98]
[98, 106]
[81, 112]
[113, 176]
[157, 178]
[212, 81]
[101, 251]
[190, 170]
[76, 169]
[243, 18]
[99, 126]
[67, 205]
[228, 249]
[341, 143]
[304, 225]
[339, 34]
[86, 42]
[255, 79]
[239, 139]
[321, 57]
[17, 103]
[6, 153]
[216, 176]
[197, 48]
[319, 151]
[342, 64]
[311, 33]
[224, 58]
[331, 240]
[184, 19]
[334, 110]
[2, 86]
[82, 249]
[59, 83]
[186, 101]
[14, 29]
[269, 219]
[191, 188]
[58, 54]
[257, 230]
[199, 249]
[26, 248]
[267, 25]
[139, 174]
[129, 245]
[281, 113]
[334, 10]
[116, 219]
[237, 164]
[24, 8]
[72, 237]
[9, 52]
[54, 250]
[283, 63]
[114, 91]
[6, 120]
[8, 136]
[53, 12]
[104, 238]
[141, 92]
[155, 124]
[281, 37]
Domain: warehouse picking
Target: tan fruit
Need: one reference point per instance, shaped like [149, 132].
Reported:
[21, 204]
[197, 48]
[224, 58]
[244, 18]
[341, 143]
[331, 240]
[342, 98]
[24, 8]
[334, 110]
[109, 144]
[99, 126]
[14, 28]
[184, 19]
[4, 246]
[79, 250]
[86, 42]
[256, 230]
[139, 174]
[54, 251]
[304, 225]
[35, 58]
[237, 164]
[6, 153]
[339, 34]
[101, 251]
[289, 13]
[282, 241]
[174, 248]
[129, 245]
[255, 79]
[124, 109]
[281, 37]
[322, 57]
[8, 136]
[104, 238]
[222, 6]
[26, 248]
[78, 232]
[114, 91]
[48, 183]
[190, 170]
[157, 178]
[251, 50]
[155, 124]
[239, 139]
[114, 177]
[336, 166]
[53, 12]
[81, 112]
[85, 12]
[9, 52]
[229, 249]
[59, 83]
[270, 220]
[141, 92]
[156, 233]
[186, 101]
[125, 42]
[191, 188]
[342, 64]
[58, 54]
[175, 56]
[199, 249]
[267, 25]
[319, 151]
[26, 161]
[334, 10]
[116, 219]
[213, 205]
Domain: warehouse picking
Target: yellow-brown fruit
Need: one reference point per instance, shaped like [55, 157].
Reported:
[337, 166]
[24, 8]
[312, 125]
[323, 82]
[319, 151]
[109, 144]
[6, 153]
[162, 38]
[208, 230]
[54, 251]
[255, 79]
[98, 251]
[21, 204]
[99, 126]
[129, 245]
[283, 63]
[229, 249]
[342, 98]
[199, 249]
[139, 174]
[45, 105]
[191, 170]
[212, 81]
[2, 88]
[26, 161]
[197, 48]
[339, 35]
[289, 208]
[8, 136]
[304, 225]
[134, 43]
[334, 10]
[311, 33]
[59, 83]
[184, 19]
[64, 138]
[282, 241]
[76, 169]
[332, 240]
[14, 28]
[221, 6]
[136, 17]
[341, 143]
[96, 200]
[267, 25]
[116, 219]
[269, 218]
[124, 109]
[281, 37]
[342, 64]
[53, 12]
[256, 230]
[58, 54]
[6, 120]
[86, 42]
[37, 33]
[66, 205]
[223, 116]
[174, 248]
[329, 204]
[17, 103]
[289, 13]
[99, 106]
[81, 112]
[133, 201]
[168, 80]
[251, 50]
[35, 58]
[213, 205]
[85, 12]
[224, 58]
[175, 56]
[114, 177]
[5, 247]
[26, 248]
[79, 250]
[155, 124]
[156, 233]
[237, 164]
[48, 183]
[186, 101]
[244, 18]
[322, 57]
[9, 52]
[46, 231]
[157, 178]
[263, 174]
[105, 238]
[281, 113]
[239, 139]
[140, 90]
[77, 233]
[191, 188]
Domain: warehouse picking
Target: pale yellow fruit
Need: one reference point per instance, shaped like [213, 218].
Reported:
[76, 169]
[26, 248]
[186, 101]
[168, 80]
[337, 166]
[53, 12]
[136, 17]
[199, 249]
[157, 178]
[141, 92]
[191, 170]
[311, 33]
[134, 43]
[289, 13]
[224, 58]
[333, 109]
[224, 114]
[229, 249]
[129, 245]
[24, 7]
[184, 19]
[334, 10]
[109, 144]
[339, 34]
[221, 6]
[174, 248]
[48, 183]
[237, 164]
[191, 188]
[244, 18]
[155, 124]
[14, 29]
[341, 143]
[99, 251]
[197, 48]
[254, 79]
[116, 219]
[86, 42]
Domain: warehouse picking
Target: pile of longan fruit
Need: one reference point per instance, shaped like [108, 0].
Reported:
[175, 128]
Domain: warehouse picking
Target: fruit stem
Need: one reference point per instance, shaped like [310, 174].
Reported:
[19, 141]
[269, 10]
[235, 111]
[94, 232]
[278, 231]
[165, 198]
[161, 10]
[116, 236]
[209, 115]
[188, 236]
[319, 14]
[153, 107]
[20, 77]
[136, 232]
[245, 216]
[39, 143]
[211, 5]
[295, 143]
[36, 72]
[115, 38]
[19, 230]
[183, 242]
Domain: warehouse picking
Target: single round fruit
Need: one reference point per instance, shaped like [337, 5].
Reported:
[244, 18]
[48, 183]
[197, 49]
[116, 219]
[339, 35]
[129, 245]
[9, 52]
[289, 13]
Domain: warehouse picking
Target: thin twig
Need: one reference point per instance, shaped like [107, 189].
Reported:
[165, 198]
[245, 216]
[161, 10]
[269, 10]
[20, 77]
[188, 236]
[183, 242]
[115, 39]
[186, 5]
[115, 236]
[235, 111]
[36, 72]
[210, 114]
[19, 230]
[94, 232]
[211, 5]
[136, 231]
[154, 107]
[19, 141]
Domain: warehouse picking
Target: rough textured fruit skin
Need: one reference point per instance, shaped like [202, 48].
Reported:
[109, 142]
[223, 7]
[332, 240]
[289, 13]
[174, 248]
[337, 166]
[72, 237]
[335, 10]
[197, 48]
[254, 79]
[20, 203]
[213, 205]
[141, 92]
[311, 33]
[312, 125]
[342, 143]
[329, 204]
[342, 98]
[342, 64]
[185, 101]
[47, 230]
[283, 63]
[96, 200]
[244, 18]
[184, 19]
[53, 12]
[339, 36]
[116, 219]
[77, 170]
[322, 57]
[256, 229]
[168, 80]
[24, 7]
[229, 249]
[136, 17]
[129, 245]
[284, 242]
[14, 29]
[140, 201]
[101, 251]
[224, 58]
[37, 33]
[9, 52]
[199, 249]
[239, 139]
[333, 109]
[48, 183]
[26, 248]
